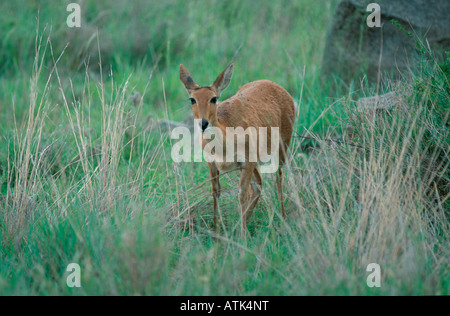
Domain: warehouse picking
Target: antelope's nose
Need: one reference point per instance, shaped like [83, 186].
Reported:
[204, 124]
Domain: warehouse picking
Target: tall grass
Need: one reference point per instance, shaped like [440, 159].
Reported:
[87, 179]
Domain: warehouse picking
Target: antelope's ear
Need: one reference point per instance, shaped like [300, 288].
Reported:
[224, 79]
[187, 79]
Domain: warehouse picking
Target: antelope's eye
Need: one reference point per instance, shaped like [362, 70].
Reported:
[213, 100]
[193, 101]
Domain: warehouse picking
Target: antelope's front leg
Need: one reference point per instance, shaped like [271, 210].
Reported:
[214, 175]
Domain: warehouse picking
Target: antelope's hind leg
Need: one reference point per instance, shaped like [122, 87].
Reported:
[280, 190]
[250, 191]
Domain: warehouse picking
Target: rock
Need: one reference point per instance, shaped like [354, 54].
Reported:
[375, 108]
[164, 126]
[136, 98]
[387, 101]
[189, 120]
[353, 48]
[378, 102]
[167, 125]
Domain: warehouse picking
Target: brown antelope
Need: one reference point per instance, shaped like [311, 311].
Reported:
[257, 104]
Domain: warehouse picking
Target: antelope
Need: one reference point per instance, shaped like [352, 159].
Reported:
[258, 104]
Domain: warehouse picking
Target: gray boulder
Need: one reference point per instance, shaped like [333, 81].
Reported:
[353, 49]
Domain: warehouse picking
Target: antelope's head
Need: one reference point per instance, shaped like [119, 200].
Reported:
[204, 100]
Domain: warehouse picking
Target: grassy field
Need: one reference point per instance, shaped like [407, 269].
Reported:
[86, 174]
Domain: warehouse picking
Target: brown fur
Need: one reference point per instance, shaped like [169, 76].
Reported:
[257, 104]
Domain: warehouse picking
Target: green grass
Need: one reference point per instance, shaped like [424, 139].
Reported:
[85, 179]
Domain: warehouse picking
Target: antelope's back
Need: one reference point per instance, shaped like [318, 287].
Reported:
[260, 103]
